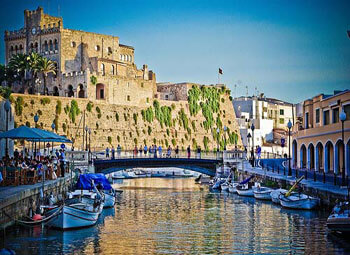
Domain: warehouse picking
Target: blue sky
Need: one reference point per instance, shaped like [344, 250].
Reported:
[291, 50]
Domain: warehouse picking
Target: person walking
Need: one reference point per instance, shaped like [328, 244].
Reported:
[62, 158]
[140, 151]
[113, 152]
[188, 152]
[168, 154]
[177, 152]
[119, 150]
[155, 151]
[107, 152]
[199, 152]
[145, 149]
[159, 150]
[135, 151]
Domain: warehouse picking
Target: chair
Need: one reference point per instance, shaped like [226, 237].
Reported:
[12, 176]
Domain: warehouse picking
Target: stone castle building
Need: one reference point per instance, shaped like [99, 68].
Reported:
[89, 65]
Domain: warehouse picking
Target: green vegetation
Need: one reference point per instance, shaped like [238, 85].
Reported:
[125, 117]
[64, 127]
[147, 115]
[45, 100]
[173, 142]
[27, 124]
[135, 118]
[167, 132]
[40, 112]
[118, 138]
[58, 107]
[117, 116]
[149, 130]
[135, 141]
[5, 92]
[183, 120]
[56, 123]
[19, 106]
[89, 106]
[109, 139]
[32, 102]
[93, 80]
[73, 110]
[206, 142]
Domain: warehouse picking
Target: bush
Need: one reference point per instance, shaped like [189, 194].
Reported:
[99, 115]
[40, 112]
[173, 142]
[117, 116]
[45, 100]
[222, 100]
[135, 118]
[32, 102]
[205, 142]
[98, 110]
[167, 132]
[230, 97]
[58, 107]
[149, 131]
[109, 139]
[135, 141]
[173, 106]
[74, 110]
[19, 106]
[89, 106]
[64, 127]
[5, 92]
[93, 80]
[118, 138]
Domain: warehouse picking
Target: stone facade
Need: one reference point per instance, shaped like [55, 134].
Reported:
[317, 136]
[118, 121]
[80, 55]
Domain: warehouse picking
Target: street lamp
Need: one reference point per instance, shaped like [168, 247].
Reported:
[89, 144]
[252, 128]
[248, 138]
[53, 131]
[7, 107]
[342, 117]
[289, 125]
[36, 119]
[86, 131]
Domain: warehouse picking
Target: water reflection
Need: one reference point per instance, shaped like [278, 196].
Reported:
[167, 216]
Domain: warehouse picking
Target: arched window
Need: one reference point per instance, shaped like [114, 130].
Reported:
[81, 93]
[55, 91]
[51, 45]
[36, 46]
[16, 49]
[31, 47]
[46, 46]
[112, 70]
[120, 57]
[130, 58]
[56, 44]
[97, 47]
[20, 48]
[103, 69]
[109, 50]
[70, 91]
[11, 49]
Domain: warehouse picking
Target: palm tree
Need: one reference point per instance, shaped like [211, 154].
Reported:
[18, 64]
[33, 65]
[46, 66]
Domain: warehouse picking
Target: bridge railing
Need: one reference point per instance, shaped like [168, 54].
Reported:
[124, 154]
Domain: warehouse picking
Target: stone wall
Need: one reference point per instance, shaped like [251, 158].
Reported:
[112, 124]
[17, 201]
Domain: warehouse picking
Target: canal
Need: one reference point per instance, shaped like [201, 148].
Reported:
[176, 216]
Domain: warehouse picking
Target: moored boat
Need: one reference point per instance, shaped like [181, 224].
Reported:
[339, 220]
[275, 195]
[225, 186]
[74, 214]
[233, 187]
[298, 201]
[245, 190]
[262, 193]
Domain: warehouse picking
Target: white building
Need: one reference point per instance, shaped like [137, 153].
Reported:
[270, 116]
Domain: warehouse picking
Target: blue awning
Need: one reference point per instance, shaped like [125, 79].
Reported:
[84, 181]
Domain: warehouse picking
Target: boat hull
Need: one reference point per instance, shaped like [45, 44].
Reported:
[71, 217]
[339, 224]
[303, 203]
[246, 192]
[275, 195]
[233, 188]
[263, 194]
[109, 200]
[224, 187]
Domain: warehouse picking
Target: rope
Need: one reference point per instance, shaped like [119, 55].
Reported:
[35, 222]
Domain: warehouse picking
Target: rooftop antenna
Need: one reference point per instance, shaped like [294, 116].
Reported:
[256, 91]
[246, 87]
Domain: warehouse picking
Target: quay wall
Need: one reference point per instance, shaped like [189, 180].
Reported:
[327, 197]
[113, 124]
[16, 202]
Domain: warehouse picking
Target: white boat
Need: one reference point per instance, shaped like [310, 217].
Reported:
[245, 190]
[109, 198]
[339, 220]
[74, 215]
[225, 186]
[232, 188]
[298, 201]
[82, 209]
[275, 195]
[118, 175]
[263, 193]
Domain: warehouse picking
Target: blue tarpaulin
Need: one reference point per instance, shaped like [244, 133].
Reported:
[84, 181]
[246, 180]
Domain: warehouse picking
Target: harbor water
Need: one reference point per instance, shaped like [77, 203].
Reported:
[177, 216]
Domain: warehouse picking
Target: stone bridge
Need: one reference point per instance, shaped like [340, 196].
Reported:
[204, 166]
